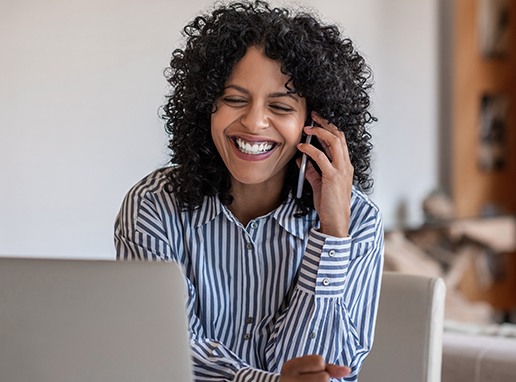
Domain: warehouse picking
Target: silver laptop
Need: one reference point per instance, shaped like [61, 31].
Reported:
[105, 321]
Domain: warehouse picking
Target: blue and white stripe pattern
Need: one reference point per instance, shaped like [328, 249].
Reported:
[262, 294]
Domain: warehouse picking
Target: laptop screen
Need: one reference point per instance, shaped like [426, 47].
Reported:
[72, 320]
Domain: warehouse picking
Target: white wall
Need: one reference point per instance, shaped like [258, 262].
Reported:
[81, 82]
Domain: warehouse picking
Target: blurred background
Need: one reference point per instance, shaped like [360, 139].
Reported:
[81, 82]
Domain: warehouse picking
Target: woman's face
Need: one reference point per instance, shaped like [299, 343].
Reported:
[257, 123]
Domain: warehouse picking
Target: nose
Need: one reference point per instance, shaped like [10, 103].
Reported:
[255, 118]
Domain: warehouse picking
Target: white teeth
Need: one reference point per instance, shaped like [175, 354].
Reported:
[253, 149]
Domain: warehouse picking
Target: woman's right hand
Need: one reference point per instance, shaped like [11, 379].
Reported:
[333, 186]
[311, 368]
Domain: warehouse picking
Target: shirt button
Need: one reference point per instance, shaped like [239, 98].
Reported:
[331, 253]
[254, 225]
[249, 320]
[247, 337]
[249, 246]
[326, 282]
[312, 335]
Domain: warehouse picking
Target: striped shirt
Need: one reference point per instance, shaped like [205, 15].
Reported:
[265, 293]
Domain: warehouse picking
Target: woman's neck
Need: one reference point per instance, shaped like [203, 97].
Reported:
[252, 201]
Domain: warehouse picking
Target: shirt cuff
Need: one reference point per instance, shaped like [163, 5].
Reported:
[325, 264]
[254, 375]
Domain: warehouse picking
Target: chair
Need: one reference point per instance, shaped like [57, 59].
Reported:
[409, 328]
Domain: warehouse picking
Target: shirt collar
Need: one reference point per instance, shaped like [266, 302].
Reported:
[297, 226]
[284, 215]
[210, 208]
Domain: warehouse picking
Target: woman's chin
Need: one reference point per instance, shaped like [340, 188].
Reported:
[257, 177]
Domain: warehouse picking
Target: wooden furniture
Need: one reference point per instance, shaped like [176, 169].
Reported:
[474, 76]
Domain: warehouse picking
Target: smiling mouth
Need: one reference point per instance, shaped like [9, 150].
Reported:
[253, 148]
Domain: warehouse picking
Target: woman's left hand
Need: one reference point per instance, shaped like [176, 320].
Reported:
[331, 189]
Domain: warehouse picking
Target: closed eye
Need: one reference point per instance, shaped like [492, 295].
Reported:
[281, 108]
[234, 100]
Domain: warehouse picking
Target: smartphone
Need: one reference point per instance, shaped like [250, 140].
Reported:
[302, 168]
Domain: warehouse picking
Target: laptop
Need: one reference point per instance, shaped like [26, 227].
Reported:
[105, 321]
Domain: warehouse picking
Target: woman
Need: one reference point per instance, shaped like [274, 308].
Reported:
[279, 288]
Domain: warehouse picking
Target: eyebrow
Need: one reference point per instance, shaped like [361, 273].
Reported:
[290, 94]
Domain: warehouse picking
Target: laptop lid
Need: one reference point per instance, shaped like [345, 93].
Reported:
[72, 320]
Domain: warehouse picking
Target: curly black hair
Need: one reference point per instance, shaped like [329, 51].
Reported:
[323, 67]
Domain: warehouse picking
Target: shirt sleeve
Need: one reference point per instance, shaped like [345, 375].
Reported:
[333, 309]
[140, 235]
